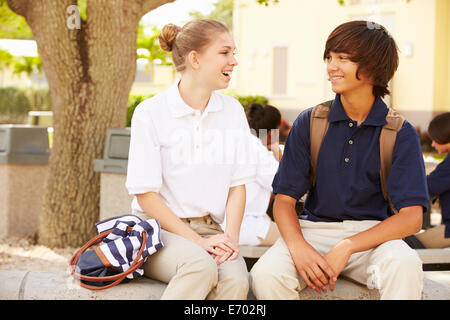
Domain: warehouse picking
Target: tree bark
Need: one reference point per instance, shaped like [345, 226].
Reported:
[90, 72]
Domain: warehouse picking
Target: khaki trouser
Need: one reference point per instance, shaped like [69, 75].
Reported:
[190, 272]
[392, 267]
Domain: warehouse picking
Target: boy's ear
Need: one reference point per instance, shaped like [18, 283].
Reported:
[193, 60]
[362, 75]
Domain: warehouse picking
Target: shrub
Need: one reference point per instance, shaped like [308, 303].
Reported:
[246, 101]
[16, 102]
[133, 101]
[40, 99]
[13, 101]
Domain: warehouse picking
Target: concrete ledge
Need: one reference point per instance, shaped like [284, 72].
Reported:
[38, 285]
[436, 286]
[32, 285]
[428, 256]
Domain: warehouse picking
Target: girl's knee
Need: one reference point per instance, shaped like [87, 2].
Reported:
[207, 266]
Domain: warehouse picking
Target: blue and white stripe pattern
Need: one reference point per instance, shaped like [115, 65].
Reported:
[121, 247]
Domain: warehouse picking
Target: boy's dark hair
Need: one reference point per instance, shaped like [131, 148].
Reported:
[439, 128]
[371, 46]
[263, 117]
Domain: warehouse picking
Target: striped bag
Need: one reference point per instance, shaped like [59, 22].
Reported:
[127, 241]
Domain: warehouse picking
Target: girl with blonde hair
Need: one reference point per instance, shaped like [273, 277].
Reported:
[183, 171]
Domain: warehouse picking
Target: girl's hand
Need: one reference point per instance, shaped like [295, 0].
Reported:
[338, 257]
[221, 247]
[222, 257]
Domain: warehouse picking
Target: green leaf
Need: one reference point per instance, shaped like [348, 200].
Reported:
[12, 25]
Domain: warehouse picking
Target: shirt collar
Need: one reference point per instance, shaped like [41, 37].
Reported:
[180, 109]
[376, 117]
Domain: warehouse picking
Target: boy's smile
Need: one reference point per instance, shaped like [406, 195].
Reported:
[342, 73]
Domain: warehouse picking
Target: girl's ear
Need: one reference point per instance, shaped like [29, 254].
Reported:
[192, 59]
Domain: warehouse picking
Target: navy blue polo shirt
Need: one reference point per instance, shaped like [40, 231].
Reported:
[348, 183]
[439, 185]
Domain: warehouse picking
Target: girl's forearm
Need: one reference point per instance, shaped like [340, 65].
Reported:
[235, 211]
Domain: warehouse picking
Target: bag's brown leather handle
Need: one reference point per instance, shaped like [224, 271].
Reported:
[116, 278]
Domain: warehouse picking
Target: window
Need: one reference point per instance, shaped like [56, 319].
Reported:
[279, 84]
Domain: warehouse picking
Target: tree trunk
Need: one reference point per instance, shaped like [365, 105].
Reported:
[90, 72]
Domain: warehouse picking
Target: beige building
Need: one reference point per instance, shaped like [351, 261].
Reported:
[280, 49]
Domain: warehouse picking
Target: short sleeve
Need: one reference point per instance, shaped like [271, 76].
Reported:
[144, 160]
[407, 184]
[293, 175]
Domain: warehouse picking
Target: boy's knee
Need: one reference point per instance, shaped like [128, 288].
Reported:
[401, 263]
[407, 262]
[264, 279]
[400, 255]
[398, 273]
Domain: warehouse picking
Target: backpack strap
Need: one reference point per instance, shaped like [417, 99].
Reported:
[388, 136]
[318, 121]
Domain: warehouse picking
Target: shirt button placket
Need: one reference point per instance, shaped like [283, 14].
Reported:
[350, 141]
[197, 134]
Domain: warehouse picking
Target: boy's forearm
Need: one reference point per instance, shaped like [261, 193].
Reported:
[408, 221]
[287, 221]
[235, 211]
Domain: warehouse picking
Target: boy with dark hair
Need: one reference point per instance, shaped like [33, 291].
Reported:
[348, 227]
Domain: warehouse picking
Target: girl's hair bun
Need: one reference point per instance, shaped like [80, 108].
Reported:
[167, 36]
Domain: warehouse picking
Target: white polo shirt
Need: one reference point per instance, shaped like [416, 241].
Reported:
[190, 159]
